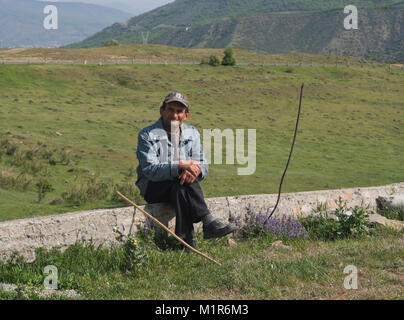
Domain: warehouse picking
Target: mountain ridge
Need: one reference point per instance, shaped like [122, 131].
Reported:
[380, 35]
[192, 12]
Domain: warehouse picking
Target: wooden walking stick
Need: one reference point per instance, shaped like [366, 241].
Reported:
[165, 228]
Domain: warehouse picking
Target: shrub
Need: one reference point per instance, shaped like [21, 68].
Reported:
[76, 194]
[123, 82]
[35, 166]
[65, 157]
[214, 61]
[46, 153]
[19, 157]
[342, 223]
[3, 142]
[93, 189]
[29, 154]
[43, 187]
[9, 179]
[228, 59]
[205, 61]
[111, 43]
[98, 188]
[130, 174]
[129, 190]
[7, 147]
[52, 161]
[10, 149]
[23, 181]
[135, 256]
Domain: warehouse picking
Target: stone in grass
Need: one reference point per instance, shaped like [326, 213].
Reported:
[41, 293]
[232, 242]
[279, 245]
[377, 219]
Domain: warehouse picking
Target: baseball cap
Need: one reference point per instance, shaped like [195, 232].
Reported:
[178, 97]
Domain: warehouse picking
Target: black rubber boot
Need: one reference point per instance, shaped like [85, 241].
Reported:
[216, 229]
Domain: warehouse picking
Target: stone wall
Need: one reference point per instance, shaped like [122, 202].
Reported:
[63, 230]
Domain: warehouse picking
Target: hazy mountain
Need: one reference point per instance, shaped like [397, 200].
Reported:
[135, 7]
[273, 26]
[22, 22]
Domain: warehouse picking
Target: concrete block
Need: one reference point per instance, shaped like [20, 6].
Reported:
[395, 201]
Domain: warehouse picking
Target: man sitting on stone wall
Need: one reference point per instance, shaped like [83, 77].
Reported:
[171, 164]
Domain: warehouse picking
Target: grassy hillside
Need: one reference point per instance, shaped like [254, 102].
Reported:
[154, 53]
[76, 128]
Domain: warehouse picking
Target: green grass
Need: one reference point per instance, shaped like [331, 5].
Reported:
[351, 131]
[393, 213]
[251, 270]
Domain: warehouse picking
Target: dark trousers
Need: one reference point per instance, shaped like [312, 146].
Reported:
[187, 200]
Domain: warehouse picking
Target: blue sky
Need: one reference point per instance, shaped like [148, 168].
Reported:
[132, 6]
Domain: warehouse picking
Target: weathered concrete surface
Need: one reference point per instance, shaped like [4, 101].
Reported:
[303, 203]
[395, 201]
[63, 230]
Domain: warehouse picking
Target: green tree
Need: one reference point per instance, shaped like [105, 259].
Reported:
[214, 61]
[111, 43]
[228, 59]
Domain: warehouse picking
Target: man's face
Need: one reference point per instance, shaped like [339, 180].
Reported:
[173, 115]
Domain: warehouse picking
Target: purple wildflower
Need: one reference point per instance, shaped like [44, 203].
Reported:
[238, 221]
[147, 228]
[258, 223]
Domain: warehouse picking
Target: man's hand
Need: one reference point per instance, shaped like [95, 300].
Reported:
[186, 177]
[190, 170]
[192, 166]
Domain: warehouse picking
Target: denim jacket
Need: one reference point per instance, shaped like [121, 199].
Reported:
[155, 153]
